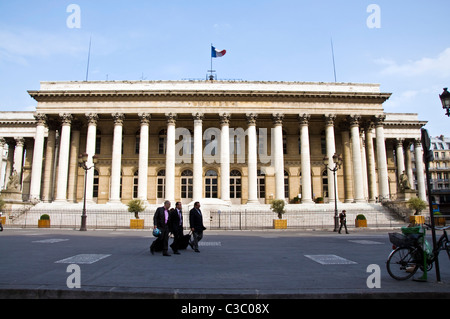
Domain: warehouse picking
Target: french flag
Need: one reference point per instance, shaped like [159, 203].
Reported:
[216, 53]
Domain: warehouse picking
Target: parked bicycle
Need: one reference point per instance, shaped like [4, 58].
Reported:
[412, 252]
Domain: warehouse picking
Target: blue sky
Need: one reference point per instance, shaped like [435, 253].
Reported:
[266, 40]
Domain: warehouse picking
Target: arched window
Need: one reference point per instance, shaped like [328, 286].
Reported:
[162, 142]
[211, 180]
[187, 184]
[161, 182]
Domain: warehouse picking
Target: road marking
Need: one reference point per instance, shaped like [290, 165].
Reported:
[366, 242]
[86, 259]
[330, 260]
[210, 243]
[50, 241]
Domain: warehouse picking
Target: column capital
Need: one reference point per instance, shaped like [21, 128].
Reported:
[41, 119]
[379, 120]
[354, 120]
[251, 118]
[92, 118]
[2, 142]
[399, 142]
[66, 119]
[303, 119]
[224, 118]
[20, 141]
[417, 143]
[171, 118]
[198, 116]
[278, 118]
[329, 119]
[118, 118]
[145, 118]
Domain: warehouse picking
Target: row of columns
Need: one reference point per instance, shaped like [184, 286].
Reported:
[69, 147]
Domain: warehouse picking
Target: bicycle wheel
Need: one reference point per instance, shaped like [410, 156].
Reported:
[401, 264]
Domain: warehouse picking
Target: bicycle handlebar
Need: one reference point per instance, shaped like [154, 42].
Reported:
[436, 228]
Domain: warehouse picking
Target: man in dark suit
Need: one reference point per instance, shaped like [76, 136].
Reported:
[196, 224]
[161, 221]
[176, 226]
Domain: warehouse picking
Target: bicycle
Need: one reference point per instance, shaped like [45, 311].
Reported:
[408, 254]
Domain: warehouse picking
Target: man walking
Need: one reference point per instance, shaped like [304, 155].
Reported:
[343, 221]
[196, 224]
[161, 221]
[176, 226]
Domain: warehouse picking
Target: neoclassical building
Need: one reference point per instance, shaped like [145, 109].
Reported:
[241, 142]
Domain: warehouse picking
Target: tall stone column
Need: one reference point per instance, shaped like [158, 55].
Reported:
[198, 157]
[225, 157]
[2, 148]
[116, 163]
[38, 155]
[383, 178]
[400, 157]
[356, 158]
[91, 140]
[170, 157]
[18, 156]
[418, 154]
[348, 182]
[143, 156]
[278, 156]
[252, 160]
[305, 158]
[331, 150]
[64, 149]
[48, 191]
[73, 164]
[370, 155]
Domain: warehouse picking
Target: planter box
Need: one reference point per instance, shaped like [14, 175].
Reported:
[439, 221]
[417, 220]
[360, 223]
[4, 220]
[43, 223]
[280, 224]
[136, 224]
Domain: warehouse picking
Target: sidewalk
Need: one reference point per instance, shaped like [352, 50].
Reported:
[250, 264]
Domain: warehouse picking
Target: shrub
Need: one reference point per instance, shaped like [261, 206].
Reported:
[45, 217]
[136, 206]
[417, 204]
[278, 207]
[360, 217]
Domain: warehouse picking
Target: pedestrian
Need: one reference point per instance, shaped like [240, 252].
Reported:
[161, 221]
[1, 226]
[343, 221]
[176, 226]
[196, 225]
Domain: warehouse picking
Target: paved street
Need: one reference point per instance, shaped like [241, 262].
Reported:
[263, 264]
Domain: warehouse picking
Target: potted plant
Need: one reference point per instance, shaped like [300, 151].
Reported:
[319, 200]
[44, 221]
[278, 208]
[418, 206]
[136, 206]
[361, 221]
[296, 200]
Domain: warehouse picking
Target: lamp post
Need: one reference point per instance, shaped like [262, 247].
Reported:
[337, 160]
[445, 99]
[82, 162]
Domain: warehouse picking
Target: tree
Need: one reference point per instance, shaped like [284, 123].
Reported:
[278, 207]
[417, 204]
[136, 206]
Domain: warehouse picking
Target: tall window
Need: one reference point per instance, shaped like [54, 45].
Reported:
[261, 186]
[325, 184]
[286, 184]
[96, 180]
[161, 188]
[235, 184]
[137, 143]
[187, 184]
[162, 141]
[135, 184]
[211, 187]
[98, 142]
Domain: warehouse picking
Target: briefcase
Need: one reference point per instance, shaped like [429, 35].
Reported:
[184, 241]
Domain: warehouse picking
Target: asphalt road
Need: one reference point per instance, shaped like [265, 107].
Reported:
[36, 263]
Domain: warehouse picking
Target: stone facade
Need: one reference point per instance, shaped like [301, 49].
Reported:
[241, 142]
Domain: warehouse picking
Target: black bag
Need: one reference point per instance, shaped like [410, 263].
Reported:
[157, 245]
[184, 241]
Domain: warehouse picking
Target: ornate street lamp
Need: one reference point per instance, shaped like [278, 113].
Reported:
[445, 99]
[82, 162]
[337, 161]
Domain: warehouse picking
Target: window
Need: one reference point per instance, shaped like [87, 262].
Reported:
[135, 184]
[162, 141]
[137, 143]
[235, 184]
[325, 184]
[286, 184]
[98, 142]
[187, 184]
[161, 180]
[261, 184]
[284, 142]
[211, 184]
[96, 182]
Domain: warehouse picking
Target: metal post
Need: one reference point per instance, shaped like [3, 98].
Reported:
[83, 216]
